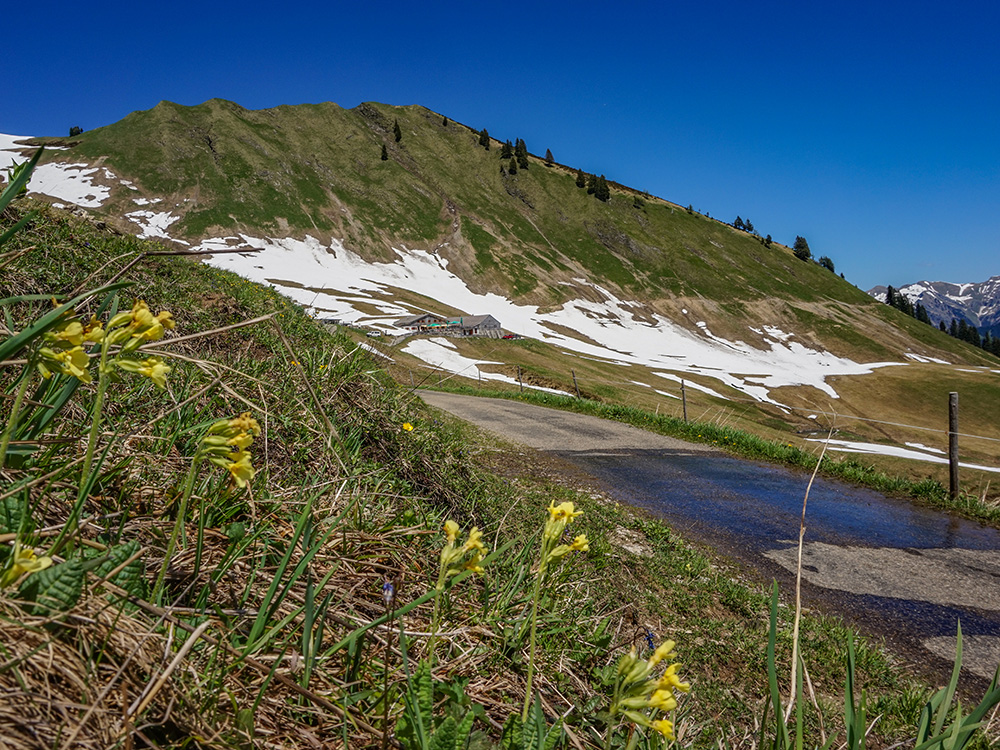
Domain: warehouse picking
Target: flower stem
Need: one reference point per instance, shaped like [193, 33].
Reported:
[178, 525]
[14, 414]
[531, 644]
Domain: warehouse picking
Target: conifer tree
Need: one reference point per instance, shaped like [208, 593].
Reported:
[602, 192]
[768, 241]
[548, 157]
[484, 139]
[738, 224]
[385, 153]
[581, 179]
[942, 326]
[506, 150]
[444, 122]
[512, 167]
[591, 184]
[826, 262]
[748, 226]
[396, 131]
[801, 249]
[521, 153]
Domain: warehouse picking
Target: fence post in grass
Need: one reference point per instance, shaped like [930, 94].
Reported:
[480, 374]
[520, 383]
[684, 401]
[574, 383]
[953, 444]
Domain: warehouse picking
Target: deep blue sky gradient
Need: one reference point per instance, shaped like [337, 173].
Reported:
[871, 128]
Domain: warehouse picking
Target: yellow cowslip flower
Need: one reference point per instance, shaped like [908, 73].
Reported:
[151, 367]
[664, 727]
[451, 531]
[166, 320]
[563, 512]
[580, 544]
[70, 333]
[242, 441]
[154, 369]
[664, 651]
[93, 333]
[23, 561]
[671, 680]
[73, 362]
[663, 700]
[241, 469]
[407, 426]
[473, 564]
[474, 541]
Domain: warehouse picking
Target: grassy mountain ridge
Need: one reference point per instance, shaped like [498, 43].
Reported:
[316, 169]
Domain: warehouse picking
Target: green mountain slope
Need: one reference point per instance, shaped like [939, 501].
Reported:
[317, 169]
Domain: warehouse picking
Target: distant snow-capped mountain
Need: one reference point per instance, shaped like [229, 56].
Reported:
[978, 303]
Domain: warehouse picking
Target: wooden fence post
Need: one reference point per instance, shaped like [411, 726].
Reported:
[574, 384]
[953, 444]
[519, 381]
[684, 401]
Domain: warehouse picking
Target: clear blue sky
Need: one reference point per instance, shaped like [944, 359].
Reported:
[870, 128]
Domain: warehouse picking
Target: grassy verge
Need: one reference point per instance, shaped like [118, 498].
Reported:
[166, 590]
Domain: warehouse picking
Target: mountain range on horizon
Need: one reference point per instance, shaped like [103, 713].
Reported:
[977, 303]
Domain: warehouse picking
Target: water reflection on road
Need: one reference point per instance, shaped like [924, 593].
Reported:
[894, 567]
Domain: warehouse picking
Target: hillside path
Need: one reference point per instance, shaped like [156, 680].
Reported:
[892, 568]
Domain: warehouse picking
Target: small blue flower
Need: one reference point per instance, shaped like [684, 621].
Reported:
[388, 592]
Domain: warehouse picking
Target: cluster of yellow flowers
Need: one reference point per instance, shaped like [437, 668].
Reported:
[63, 346]
[457, 557]
[226, 444]
[560, 516]
[63, 350]
[638, 688]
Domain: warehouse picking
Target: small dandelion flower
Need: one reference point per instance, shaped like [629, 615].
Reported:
[407, 426]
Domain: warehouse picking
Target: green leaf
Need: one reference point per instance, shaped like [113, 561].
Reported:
[57, 588]
[132, 577]
[11, 515]
[445, 735]
[23, 175]
[513, 734]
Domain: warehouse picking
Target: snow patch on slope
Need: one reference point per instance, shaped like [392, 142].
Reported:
[331, 280]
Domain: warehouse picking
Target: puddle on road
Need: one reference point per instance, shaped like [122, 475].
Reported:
[895, 568]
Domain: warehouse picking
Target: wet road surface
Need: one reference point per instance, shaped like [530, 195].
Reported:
[888, 566]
